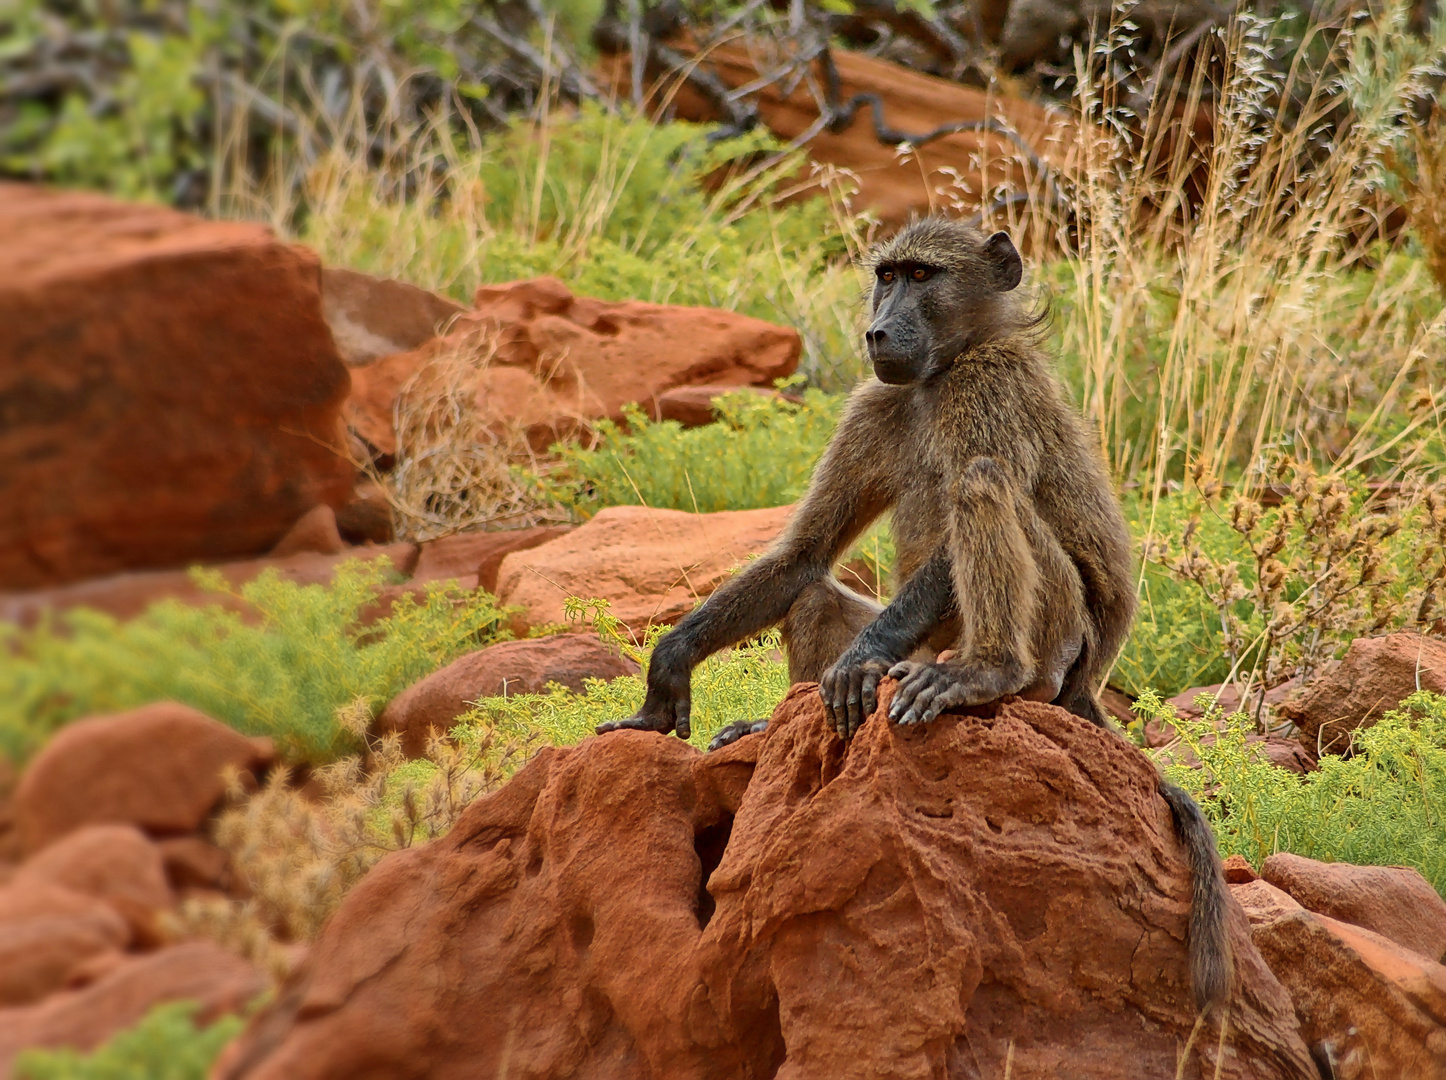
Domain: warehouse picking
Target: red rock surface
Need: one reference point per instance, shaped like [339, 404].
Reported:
[314, 531]
[1238, 870]
[1367, 1007]
[1394, 901]
[632, 908]
[372, 317]
[653, 566]
[1374, 676]
[114, 863]
[914, 104]
[692, 406]
[478, 555]
[158, 767]
[127, 595]
[555, 360]
[512, 667]
[172, 391]
[46, 933]
[217, 981]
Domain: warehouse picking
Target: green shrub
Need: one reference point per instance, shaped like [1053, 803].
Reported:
[284, 674]
[165, 1045]
[761, 452]
[1383, 806]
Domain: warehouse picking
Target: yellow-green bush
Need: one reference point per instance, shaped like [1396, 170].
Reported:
[165, 1045]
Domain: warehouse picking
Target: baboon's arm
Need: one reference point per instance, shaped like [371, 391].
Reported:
[849, 490]
[850, 688]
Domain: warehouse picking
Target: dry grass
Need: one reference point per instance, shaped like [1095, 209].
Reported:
[1421, 172]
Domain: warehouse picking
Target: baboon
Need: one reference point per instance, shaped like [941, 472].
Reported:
[1011, 547]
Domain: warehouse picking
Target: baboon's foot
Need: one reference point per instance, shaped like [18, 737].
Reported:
[731, 733]
[926, 690]
[646, 722]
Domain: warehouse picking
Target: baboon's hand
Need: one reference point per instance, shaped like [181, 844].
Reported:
[668, 706]
[926, 690]
[850, 693]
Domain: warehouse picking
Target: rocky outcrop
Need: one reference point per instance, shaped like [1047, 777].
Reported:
[1374, 676]
[1393, 901]
[372, 317]
[694, 406]
[652, 566]
[1368, 1008]
[994, 894]
[116, 864]
[957, 171]
[47, 932]
[123, 991]
[545, 362]
[160, 767]
[512, 667]
[475, 558]
[169, 388]
[314, 531]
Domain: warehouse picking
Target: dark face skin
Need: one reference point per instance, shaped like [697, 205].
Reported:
[925, 316]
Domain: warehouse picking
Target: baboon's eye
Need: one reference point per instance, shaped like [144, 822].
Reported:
[886, 275]
[921, 273]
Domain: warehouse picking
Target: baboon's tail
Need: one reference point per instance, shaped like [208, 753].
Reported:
[1212, 968]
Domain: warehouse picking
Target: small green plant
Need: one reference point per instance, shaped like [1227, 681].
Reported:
[761, 452]
[166, 1045]
[1384, 805]
[282, 670]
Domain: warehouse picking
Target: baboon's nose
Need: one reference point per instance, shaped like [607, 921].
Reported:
[874, 337]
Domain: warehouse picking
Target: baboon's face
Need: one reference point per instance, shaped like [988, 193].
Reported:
[926, 311]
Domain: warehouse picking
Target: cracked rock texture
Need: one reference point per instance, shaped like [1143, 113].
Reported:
[999, 888]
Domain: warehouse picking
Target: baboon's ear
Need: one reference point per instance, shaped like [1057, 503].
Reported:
[1004, 261]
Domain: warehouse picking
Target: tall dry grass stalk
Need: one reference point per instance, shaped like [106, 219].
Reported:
[1241, 264]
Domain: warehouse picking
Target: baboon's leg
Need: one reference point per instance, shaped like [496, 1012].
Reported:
[821, 624]
[1020, 604]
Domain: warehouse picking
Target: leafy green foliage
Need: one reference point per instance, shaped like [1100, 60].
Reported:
[165, 1045]
[761, 452]
[285, 672]
[1384, 805]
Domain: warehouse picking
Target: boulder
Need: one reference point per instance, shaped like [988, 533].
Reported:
[788, 907]
[653, 566]
[314, 531]
[172, 393]
[372, 317]
[693, 406]
[159, 767]
[1227, 699]
[546, 362]
[127, 595]
[1368, 1008]
[194, 863]
[1238, 870]
[512, 667]
[114, 863]
[1393, 901]
[367, 516]
[217, 981]
[46, 933]
[954, 173]
[1374, 676]
[478, 556]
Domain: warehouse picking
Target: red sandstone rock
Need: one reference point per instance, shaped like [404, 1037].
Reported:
[314, 531]
[892, 187]
[172, 391]
[1367, 1007]
[653, 566]
[1375, 675]
[920, 903]
[555, 361]
[367, 516]
[113, 863]
[372, 317]
[193, 863]
[158, 767]
[46, 933]
[200, 972]
[478, 555]
[692, 406]
[1393, 901]
[512, 667]
[127, 595]
[1238, 870]
[1227, 699]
